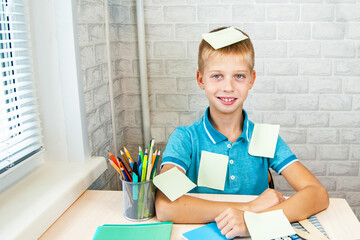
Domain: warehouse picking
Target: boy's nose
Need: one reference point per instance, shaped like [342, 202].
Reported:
[228, 85]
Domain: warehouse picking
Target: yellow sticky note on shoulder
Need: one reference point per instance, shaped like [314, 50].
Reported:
[173, 183]
[212, 170]
[263, 140]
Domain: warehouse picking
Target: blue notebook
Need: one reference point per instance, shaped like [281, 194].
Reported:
[209, 232]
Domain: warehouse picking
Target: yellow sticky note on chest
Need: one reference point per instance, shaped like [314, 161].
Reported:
[212, 170]
[263, 140]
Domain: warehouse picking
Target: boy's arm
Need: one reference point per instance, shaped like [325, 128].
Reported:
[188, 209]
[310, 198]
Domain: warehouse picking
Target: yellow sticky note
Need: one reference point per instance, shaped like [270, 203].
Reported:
[212, 170]
[224, 37]
[173, 183]
[263, 140]
[268, 225]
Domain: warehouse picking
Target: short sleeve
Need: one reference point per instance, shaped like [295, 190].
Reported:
[283, 156]
[178, 149]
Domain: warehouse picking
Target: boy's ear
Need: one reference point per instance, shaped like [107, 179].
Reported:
[252, 81]
[200, 80]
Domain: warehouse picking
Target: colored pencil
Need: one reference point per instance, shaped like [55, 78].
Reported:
[141, 155]
[128, 155]
[151, 149]
[125, 160]
[144, 166]
[114, 159]
[154, 157]
[114, 166]
[151, 166]
[127, 167]
[153, 172]
[135, 169]
[127, 174]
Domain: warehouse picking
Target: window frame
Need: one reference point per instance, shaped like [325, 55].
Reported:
[25, 165]
[65, 169]
[55, 52]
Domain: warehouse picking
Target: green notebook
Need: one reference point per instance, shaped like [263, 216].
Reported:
[150, 231]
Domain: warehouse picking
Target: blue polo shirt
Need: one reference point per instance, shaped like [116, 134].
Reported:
[246, 174]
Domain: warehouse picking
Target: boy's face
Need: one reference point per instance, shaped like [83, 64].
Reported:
[226, 80]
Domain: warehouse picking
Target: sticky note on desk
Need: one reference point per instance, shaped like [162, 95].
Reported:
[209, 232]
[224, 37]
[212, 170]
[263, 140]
[268, 225]
[173, 183]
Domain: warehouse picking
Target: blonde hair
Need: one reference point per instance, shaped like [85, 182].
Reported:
[243, 48]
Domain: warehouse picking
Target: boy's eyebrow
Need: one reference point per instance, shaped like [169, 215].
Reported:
[219, 70]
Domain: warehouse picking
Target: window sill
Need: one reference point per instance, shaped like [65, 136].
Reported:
[33, 204]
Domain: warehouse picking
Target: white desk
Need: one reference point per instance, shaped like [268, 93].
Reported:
[95, 208]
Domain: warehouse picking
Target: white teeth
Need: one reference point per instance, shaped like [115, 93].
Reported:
[227, 99]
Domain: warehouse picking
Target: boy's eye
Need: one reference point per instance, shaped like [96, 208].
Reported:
[239, 76]
[216, 76]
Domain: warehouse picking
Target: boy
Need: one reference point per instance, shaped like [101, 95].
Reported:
[226, 75]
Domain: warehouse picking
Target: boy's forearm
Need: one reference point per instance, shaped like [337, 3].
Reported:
[188, 209]
[310, 200]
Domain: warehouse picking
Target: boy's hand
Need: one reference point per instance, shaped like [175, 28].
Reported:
[267, 199]
[232, 223]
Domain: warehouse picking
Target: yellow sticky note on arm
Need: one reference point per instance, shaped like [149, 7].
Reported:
[173, 183]
[212, 170]
[263, 140]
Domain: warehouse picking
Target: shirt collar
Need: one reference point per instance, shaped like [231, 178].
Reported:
[216, 137]
[245, 133]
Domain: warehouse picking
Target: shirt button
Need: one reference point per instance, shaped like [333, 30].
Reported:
[231, 161]
[229, 145]
[232, 177]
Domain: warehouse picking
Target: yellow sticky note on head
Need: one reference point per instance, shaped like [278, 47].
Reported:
[173, 183]
[212, 170]
[224, 37]
[263, 140]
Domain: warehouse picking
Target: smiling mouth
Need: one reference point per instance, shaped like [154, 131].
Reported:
[225, 99]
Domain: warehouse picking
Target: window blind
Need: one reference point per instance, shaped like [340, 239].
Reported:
[20, 131]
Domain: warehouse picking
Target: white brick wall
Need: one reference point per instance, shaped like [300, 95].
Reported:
[307, 62]
[92, 43]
